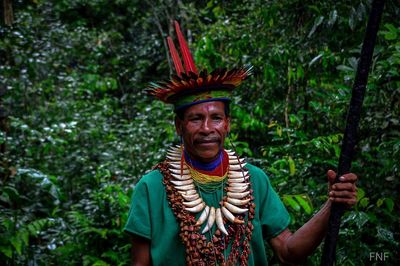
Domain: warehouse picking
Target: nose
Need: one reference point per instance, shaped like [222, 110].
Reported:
[206, 126]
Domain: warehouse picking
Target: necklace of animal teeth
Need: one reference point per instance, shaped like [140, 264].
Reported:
[235, 202]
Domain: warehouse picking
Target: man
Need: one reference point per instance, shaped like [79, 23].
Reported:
[204, 205]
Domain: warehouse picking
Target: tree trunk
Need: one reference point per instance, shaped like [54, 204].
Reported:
[8, 12]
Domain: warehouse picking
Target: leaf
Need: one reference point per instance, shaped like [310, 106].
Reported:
[317, 22]
[24, 235]
[332, 17]
[344, 68]
[379, 202]
[315, 59]
[360, 194]
[279, 131]
[364, 202]
[17, 244]
[292, 166]
[305, 203]
[352, 19]
[6, 250]
[385, 234]
[288, 200]
[300, 73]
[389, 204]
[357, 218]
[100, 263]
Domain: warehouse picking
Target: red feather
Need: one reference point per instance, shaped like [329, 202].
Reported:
[187, 56]
[175, 57]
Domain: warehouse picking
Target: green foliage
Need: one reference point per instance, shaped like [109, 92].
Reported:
[81, 130]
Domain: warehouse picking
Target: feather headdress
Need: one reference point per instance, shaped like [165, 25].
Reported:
[188, 87]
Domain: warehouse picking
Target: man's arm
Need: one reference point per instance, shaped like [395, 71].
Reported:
[140, 251]
[295, 247]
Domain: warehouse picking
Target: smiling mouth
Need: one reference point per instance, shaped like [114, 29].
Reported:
[207, 141]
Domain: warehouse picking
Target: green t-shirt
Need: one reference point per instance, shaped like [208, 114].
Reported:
[151, 217]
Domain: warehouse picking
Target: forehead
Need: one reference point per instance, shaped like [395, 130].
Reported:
[206, 108]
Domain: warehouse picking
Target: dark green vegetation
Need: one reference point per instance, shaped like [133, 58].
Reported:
[81, 131]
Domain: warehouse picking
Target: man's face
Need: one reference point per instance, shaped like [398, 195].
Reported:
[203, 129]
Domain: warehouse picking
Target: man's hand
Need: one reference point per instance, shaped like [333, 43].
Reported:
[345, 191]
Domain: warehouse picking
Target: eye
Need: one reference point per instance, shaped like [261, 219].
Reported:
[194, 119]
[217, 118]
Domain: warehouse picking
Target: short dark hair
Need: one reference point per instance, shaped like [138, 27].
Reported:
[181, 112]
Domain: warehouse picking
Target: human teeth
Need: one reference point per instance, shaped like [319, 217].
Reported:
[220, 221]
[233, 208]
[210, 221]
[203, 216]
[192, 203]
[238, 202]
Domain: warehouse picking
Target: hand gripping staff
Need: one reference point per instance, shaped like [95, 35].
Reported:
[353, 118]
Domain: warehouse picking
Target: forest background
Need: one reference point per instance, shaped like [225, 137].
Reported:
[78, 130]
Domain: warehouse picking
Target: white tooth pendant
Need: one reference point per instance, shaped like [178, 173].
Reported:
[239, 195]
[190, 197]
[236, 167]
[182, 182]
[228, 215]
[240, 185]
[186, 187]
[238, 202]
[210, 221]
[234, 209]
[178, 166]
[197, 208]
[173, 157]
[237, 180]
[203, 216]
[192, 203]
[236, 189]
[233, 160]
[178, 171]
[188, 192]
[183, 177]
[220, 222]
[238, 174]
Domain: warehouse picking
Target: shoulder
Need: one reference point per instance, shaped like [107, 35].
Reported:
[151, 179]
[256, 173]
[255, 170]
[259, 178]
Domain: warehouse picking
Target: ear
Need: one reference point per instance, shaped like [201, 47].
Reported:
[178, 126]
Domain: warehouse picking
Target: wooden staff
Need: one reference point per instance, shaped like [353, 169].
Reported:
[353, 118]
